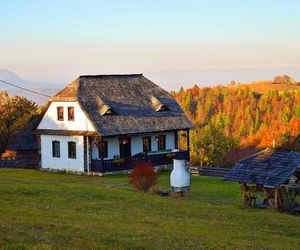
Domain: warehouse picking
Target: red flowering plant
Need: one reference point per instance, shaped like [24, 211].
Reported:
[143, 177]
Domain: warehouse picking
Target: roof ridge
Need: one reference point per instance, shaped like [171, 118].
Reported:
[257, 153]
[113, 75]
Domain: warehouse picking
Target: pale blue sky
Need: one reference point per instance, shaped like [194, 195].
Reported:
[172, 42]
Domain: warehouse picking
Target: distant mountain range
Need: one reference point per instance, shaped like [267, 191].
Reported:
[41, 87]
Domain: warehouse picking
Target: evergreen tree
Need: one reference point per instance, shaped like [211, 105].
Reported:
[188, 102]
[257, 120]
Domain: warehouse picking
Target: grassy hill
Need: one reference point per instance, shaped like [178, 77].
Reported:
[42, 210]
[263, 87]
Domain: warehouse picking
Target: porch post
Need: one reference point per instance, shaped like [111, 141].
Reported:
[188, 144]
[102, 159]
[88, 149]
[38, 140]
[85, 153]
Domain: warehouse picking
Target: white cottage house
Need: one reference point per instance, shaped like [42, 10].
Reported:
[107, 123]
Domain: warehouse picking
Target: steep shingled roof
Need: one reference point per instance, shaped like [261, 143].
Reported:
[270, 167]
[130, 97]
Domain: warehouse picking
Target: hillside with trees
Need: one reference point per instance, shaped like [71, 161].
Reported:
[279, 83]
[234, 122]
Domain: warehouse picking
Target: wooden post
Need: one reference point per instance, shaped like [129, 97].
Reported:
[90, 146]
[85, 153]
[276, 198]
[244, 185]
[38, 140]
[102, 159]
[176, 139]
[88, 155]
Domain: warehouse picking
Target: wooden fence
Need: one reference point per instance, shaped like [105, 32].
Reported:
[209, 171]
[19, 162]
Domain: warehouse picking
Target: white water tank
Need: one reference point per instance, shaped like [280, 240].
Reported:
[180, 178]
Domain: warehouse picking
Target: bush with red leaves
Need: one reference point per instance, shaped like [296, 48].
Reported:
[143, 177]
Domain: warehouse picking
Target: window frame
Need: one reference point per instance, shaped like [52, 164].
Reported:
[161, 141]
[105, 149]
[58, 109]
[71, 154]
[148, 140]
[70, 118]
[56, 149]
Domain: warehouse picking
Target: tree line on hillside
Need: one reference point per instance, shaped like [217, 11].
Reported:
[228, 120]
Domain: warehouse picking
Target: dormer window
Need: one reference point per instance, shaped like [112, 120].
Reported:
[158, 105]
[60, 113]
[104, 108]
[71, 116]
[109, 112]
[163, 107]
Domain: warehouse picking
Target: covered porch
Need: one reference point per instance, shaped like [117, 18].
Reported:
[110, 154]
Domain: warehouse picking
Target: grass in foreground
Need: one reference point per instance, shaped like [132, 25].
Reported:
[40, 210]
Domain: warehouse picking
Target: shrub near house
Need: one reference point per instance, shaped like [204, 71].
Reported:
[143, 177]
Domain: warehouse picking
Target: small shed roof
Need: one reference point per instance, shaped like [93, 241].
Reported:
[270, 167]
[25, 139]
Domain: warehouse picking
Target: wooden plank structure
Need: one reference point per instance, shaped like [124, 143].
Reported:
[25, 146]
[273, 172]
[209, 171]
[20, 162]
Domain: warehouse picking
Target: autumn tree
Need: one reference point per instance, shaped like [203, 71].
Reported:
[15, 111]
[211, 145]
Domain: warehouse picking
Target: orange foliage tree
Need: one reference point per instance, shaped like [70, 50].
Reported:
[248, 119]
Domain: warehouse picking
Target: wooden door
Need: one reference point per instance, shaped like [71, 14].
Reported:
[125, 147]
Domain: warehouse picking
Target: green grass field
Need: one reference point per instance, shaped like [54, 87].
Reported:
[40, 210]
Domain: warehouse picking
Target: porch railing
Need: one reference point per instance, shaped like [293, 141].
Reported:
[156, 159]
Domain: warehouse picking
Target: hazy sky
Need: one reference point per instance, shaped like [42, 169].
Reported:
[172, 42]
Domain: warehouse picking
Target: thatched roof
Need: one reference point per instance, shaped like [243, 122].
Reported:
[270, 167]
[125, 104]
[68, 94]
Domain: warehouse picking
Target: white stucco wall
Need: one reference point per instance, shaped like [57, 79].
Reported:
[81, 122]
[170, 140]
[137, 142]
[136, 145]
[62, 163]
[112, 145]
